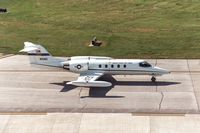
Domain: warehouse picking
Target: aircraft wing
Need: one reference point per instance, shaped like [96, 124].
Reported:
[89, 80]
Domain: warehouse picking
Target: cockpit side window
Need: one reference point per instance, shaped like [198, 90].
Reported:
[144, 64]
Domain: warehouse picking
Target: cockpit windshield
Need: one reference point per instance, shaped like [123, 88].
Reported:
[144, 64]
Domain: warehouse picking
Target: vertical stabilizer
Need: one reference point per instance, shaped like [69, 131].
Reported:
[39, 55]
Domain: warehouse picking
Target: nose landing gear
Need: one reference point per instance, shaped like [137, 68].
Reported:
[153, 79]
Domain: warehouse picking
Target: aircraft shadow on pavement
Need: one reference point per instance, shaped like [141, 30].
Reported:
[100, 92]
[109, 78]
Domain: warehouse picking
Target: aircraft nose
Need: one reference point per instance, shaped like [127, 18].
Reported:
[161, 70]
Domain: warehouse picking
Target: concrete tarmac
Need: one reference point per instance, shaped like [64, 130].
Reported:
[30, 88]
[98, 123]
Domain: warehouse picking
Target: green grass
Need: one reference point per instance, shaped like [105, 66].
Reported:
[130, 28]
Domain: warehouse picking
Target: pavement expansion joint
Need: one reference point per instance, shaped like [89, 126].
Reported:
[23, 113]
[160, 114]
[7, 124]
[193, 85]
[53, 124]
[150, 125]
[80, 123]
[81, 98]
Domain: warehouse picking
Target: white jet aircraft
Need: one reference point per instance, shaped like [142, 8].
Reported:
[91, 68]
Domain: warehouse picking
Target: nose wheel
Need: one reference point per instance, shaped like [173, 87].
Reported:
[153, 79]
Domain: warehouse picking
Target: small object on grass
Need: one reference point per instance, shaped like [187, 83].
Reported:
[95, 42]
[3, 10]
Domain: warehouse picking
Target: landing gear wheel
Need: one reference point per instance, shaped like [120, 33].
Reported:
[153, 79]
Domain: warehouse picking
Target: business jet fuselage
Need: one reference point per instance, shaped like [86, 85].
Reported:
[91, 68]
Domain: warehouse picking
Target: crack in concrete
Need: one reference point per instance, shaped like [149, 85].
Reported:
[156, 62]
[193, 85]
[83, 101]
[79, 94]
[82, 108]
[156, 87]
[161, 100]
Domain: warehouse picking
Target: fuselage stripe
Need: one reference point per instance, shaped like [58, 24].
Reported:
[122, 70]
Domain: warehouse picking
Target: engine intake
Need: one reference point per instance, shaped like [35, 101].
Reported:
[66, 66]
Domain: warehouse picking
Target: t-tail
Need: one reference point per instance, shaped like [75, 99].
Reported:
[39, 55]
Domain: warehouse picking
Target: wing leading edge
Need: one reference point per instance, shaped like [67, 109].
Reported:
[89, 80]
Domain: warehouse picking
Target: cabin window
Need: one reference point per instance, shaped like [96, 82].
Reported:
[106, 66]
[144, 64]
[112, 66]
[124, 66]
[118, 66]
[99, 66]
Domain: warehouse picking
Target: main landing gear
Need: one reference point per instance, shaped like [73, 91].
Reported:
[153, 79]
